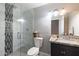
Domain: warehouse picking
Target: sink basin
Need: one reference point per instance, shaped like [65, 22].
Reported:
[71, 41]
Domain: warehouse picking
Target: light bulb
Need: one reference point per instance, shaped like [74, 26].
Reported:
[50, 14]
[56, 13]
[62, 12]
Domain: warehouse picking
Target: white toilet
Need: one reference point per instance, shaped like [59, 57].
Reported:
[34, 51]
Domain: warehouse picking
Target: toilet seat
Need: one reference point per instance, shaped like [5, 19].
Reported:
[33, 51]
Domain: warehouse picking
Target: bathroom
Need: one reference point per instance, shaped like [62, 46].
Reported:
[19, 22]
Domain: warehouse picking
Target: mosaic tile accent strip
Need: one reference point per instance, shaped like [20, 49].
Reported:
[8, 29]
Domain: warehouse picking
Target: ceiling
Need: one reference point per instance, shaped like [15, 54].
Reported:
[41, 9]
[69, 7]
[27, 6]
[48, 6]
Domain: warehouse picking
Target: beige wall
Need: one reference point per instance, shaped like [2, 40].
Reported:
[66, 24]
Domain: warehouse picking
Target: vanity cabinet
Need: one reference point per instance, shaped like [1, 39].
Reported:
[63, 50]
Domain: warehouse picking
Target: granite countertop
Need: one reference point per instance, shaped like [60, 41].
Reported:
[72, 42]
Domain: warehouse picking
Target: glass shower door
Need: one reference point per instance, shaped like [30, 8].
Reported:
[22, 31]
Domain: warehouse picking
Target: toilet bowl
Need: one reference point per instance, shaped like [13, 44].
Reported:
[34, 51]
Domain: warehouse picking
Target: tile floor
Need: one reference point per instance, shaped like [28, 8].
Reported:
[22, 52]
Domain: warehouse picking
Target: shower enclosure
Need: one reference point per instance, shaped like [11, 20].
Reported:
[16, 32]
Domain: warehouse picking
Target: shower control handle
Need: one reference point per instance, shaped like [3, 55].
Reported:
[18, 35]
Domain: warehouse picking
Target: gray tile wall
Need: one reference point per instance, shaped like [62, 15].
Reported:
[2, 29]
[28, 30]
[43, 26]
[8, 29]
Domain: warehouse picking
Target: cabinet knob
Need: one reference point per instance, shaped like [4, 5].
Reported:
[63, 52]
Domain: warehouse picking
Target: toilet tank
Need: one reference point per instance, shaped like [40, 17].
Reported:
[38, 41]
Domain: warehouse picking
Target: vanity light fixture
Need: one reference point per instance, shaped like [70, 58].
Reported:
[57, 12]
[53, 13]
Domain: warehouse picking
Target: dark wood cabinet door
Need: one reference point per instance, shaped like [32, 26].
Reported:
[64, 50]
[55, 50]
